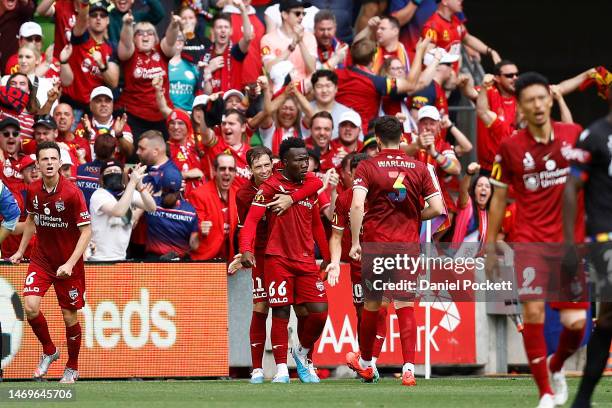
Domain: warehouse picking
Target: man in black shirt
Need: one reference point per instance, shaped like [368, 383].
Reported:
[592, 170]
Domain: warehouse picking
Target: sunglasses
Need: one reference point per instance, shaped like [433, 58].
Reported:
[9, 133]
[144, 32]
[511, 75]
[225, 168]
[34, 38]
[100, 14]
[298, 13]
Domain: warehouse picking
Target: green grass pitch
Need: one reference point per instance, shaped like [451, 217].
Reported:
[438, 392]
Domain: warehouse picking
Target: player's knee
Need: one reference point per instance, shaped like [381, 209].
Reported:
[261, 307]
[282, 312]
[533, 313]
[32, 308]
[70, 317]
[300, 310]
[317, 307]
[573, 319]
[372, 305]
[400, 304]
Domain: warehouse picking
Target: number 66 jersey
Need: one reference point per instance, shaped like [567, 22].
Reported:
[396, 187]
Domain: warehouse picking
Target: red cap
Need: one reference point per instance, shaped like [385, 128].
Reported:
[27, 160]
[179, 114]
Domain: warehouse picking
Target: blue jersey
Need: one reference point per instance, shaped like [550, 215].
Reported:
[184, 79]
[155, 173]
[9, 209]
[169, 229]
[88, 178]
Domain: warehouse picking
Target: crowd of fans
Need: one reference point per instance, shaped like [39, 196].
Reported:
[155, 114]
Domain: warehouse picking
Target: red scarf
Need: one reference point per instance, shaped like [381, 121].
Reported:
[281, 134]
[222, 80]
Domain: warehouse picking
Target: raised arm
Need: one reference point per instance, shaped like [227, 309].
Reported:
[410, 84]
[46, 8]
[162, 104]
[564, 110]
[247, 28]
[167, 44]
[486, 115]
[464, 185]
[80, 26]
[125, 48]
[477, 44]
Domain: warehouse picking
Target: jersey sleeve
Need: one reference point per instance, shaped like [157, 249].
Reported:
[340, 217]
[428, 188]
[582, 155]
[312, 184]
[242, 207]
[79, 206]
[384, 85]
[501, 173]
[362, 177]
[237, 53]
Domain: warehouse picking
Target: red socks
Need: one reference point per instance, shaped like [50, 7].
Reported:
[41, 330]
[535, 346]
[258, 338]
[280, 338]
[313, 327]
[569, 341]
[381, 331]
[408, 332]
[73, 337]
[367, 333]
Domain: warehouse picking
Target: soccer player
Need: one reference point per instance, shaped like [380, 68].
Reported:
[339, 248]
[58, 213]
[590, 170]
[260, 163]
[394, 185]
[532, 161]
[290, 272]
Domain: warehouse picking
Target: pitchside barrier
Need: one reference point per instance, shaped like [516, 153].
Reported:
[181, 320]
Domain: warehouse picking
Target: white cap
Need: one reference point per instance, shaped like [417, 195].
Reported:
[101, 90]
[29, 29]
[429, 111]
[65, 157]
[446, 58]
[233, 92]
[350, 116]
[199, 100]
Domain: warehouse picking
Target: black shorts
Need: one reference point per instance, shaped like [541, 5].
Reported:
[600, 259]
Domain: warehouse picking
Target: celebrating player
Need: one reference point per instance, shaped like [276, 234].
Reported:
[290, 272]
[260, 162]
[58, 213]
[532, 161]
[339, 248]
[590, 169]
[394, 185]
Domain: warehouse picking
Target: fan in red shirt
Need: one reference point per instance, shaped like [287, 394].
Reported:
[31, 32]
[359, 88]
[260, 163]
[58, 213]
[90, 62]
[535, 164]
[395, 187]
[290, 271]
[64, 117]
[347, 141]
[447, 31]
[65, 15]
[143, 57]
[230, 137]
[183, 150]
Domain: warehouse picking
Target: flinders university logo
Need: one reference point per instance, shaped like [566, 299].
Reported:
[11, 318]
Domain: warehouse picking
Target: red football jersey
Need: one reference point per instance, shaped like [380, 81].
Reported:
[252, 65]
[243, 173]
[244, 198]
[341, 222]
[537, 172]
[58, 216]
[396, 185]
[65, 19]
[289, 235]
[138, 96]
[78, 143]
[333, 157]
[490, 138]
[444, 33]
[12, 66]
[11, 177]
[87, 75]
[186, 158]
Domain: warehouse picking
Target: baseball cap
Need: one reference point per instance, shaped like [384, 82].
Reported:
[199, 100]
[99, 5]
[65, 157]
[101, 90]
[171, 181]
[350, 116]
[46, 121]
[233, 92]
[26, 161]
[8, 121]
[30, 28]
[110, 163]
[286, 5]
[446, 58]
[369, 142]
[428, 112]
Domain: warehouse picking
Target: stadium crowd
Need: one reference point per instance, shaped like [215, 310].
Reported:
[158, 113]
